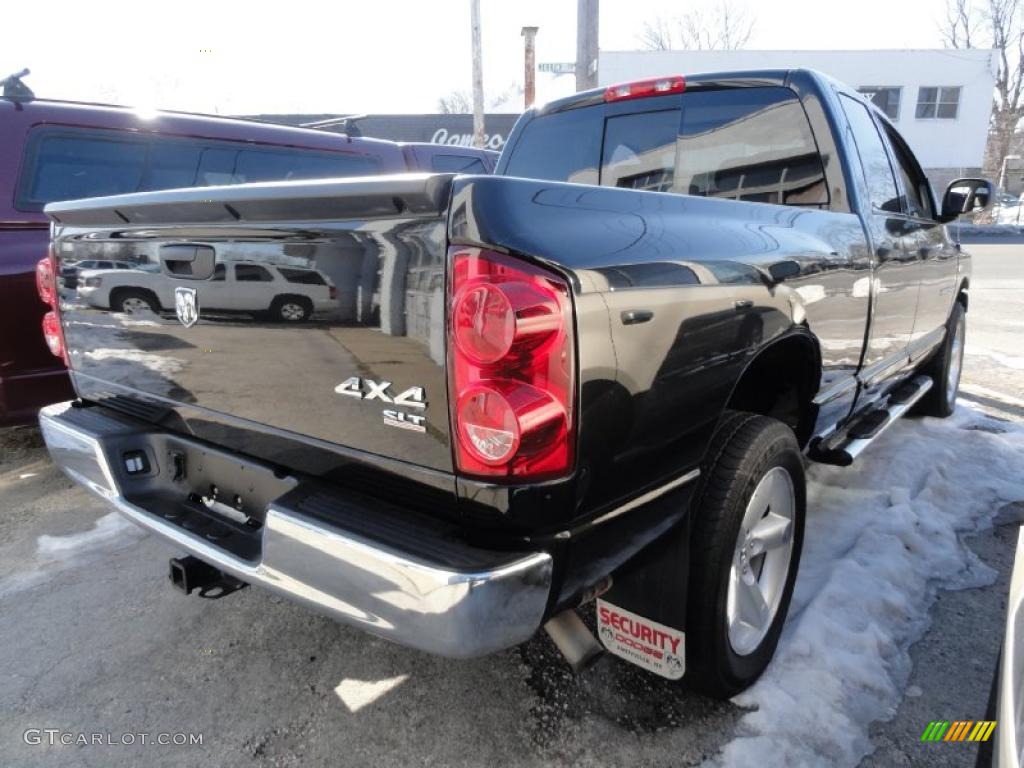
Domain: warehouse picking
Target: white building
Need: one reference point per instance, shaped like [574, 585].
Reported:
[940, 100]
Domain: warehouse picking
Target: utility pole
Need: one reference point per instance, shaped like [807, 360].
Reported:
[586, 44]
[530, 65]
[478, 76]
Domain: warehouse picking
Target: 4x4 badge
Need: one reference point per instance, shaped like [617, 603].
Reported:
[186, 306]
[368, 389]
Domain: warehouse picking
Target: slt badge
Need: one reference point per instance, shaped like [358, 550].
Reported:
[186, 306]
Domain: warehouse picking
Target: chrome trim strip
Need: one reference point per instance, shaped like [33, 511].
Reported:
[837, 390]
[884, 368]
[352, 579]
[648, 497]
[927, 343]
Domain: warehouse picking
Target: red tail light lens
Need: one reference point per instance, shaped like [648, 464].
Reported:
[54, 335]
[511, 367]
[332, 292]
[657, 86]
[46, 285]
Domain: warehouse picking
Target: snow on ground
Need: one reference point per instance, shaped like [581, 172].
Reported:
[108, 528]
[882, 537]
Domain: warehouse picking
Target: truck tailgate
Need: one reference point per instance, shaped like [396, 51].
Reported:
[366, 257]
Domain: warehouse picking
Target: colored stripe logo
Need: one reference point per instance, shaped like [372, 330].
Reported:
[958, 730]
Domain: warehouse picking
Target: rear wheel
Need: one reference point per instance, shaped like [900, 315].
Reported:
[945, 368]
[134, 302]
[748, 525]
[291, 309]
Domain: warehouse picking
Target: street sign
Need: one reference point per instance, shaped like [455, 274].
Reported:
[558, 68]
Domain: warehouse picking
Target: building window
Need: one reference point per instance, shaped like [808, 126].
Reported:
[885, 97]
[935, 102]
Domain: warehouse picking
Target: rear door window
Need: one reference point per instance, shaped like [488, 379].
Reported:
[301, 276]
[752, 144]
[252, 273]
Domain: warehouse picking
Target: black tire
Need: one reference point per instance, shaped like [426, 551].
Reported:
[744, 450]
[291, 309]
[127, 300]
[940, 401]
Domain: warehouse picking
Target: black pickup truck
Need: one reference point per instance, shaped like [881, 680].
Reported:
[592, 379]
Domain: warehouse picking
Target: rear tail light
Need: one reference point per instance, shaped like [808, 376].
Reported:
[511, 367]
[46, 284]
[657, 86]
[54, 335]
[332, 292]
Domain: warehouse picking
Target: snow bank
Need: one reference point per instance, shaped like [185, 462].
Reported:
[881, 538]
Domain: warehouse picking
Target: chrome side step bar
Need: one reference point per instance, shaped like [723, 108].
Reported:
[850, 442]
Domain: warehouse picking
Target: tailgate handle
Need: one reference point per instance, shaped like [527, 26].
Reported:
[188, 262]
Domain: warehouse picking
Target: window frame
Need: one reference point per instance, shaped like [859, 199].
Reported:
[896, 146]
[858, 100]
[938, 102]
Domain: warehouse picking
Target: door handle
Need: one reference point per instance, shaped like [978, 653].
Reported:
[743, 304]
[636, 316]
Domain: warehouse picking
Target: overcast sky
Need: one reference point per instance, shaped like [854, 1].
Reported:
[371, 55]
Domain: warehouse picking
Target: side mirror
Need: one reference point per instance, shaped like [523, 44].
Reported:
[967, 196]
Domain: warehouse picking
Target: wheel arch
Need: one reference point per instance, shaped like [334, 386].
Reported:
[780, 380]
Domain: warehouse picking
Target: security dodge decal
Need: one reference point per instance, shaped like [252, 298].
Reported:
[646, 643]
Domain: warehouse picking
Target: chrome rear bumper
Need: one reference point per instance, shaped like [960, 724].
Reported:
[411, 584]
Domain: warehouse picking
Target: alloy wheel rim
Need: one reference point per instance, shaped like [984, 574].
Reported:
[761, 561]
[292, 311]
[956, 361]
[133, 306]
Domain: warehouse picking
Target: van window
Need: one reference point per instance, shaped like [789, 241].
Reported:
[259, 165]
[72, 163]
[67, 166]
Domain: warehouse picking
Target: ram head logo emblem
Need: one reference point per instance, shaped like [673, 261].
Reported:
[186, 305]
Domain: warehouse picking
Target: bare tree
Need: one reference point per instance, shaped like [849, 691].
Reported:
[727, 29]
[455, 103]
[997, 24]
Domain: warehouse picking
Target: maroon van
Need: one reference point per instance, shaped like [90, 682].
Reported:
[57, 150]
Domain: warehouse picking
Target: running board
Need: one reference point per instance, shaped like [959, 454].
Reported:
[850, 442]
